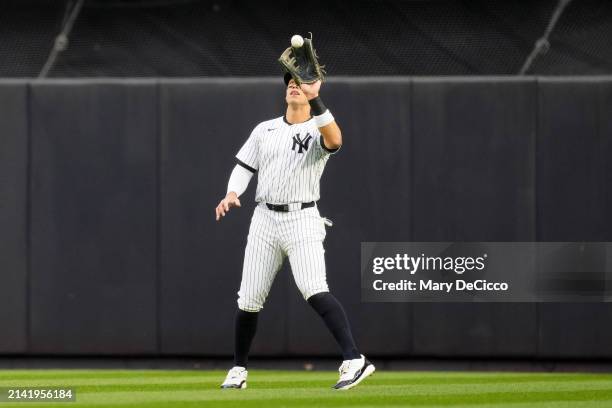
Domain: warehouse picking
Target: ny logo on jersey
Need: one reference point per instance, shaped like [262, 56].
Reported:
[302, 143]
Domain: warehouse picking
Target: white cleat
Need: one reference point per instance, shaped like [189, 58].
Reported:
[236, 378]
[352, 372]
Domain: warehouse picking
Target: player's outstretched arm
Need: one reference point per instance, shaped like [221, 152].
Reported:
[332, 136]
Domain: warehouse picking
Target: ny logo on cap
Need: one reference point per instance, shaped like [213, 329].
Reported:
[302, 143]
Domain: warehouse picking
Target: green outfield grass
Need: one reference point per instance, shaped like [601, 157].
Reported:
[268, 389]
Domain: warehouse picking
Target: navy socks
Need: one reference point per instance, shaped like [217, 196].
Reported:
[324, 303]
[244, 331]
[332, 313]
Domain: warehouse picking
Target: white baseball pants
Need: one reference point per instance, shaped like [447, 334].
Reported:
[273, 235]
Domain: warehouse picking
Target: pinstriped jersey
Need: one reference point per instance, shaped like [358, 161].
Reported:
[289, 159]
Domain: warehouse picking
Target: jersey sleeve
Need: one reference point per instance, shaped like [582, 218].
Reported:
[323, 149]
[248, 155]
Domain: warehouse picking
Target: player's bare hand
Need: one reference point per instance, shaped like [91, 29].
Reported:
[231, 200]
[311, 91]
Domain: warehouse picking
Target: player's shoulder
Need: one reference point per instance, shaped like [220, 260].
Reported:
[269, 124]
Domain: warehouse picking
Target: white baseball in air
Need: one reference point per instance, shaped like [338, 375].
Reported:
[297, 41]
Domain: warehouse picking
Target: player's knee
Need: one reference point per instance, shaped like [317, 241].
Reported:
[249, 305]
[309, 291]
[317, 293]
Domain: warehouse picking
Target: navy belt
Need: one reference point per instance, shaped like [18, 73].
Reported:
[286, 208]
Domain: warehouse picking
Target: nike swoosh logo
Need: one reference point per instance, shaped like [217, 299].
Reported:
[271, 129]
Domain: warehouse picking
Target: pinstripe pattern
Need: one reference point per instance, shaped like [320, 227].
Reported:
[290, 161]
[284, 174]
[273, 236]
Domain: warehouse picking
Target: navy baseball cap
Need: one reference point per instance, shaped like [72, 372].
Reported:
[287, 78]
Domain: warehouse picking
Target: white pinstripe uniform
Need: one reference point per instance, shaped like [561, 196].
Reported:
[289, 160]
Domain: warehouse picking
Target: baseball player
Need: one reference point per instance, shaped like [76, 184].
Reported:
[289, 154]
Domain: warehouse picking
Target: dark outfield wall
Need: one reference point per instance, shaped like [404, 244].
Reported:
[108, 243]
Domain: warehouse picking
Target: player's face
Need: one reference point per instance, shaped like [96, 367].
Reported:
[294, 94]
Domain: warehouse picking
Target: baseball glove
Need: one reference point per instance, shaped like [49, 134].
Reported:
[302, 63]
